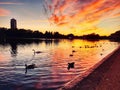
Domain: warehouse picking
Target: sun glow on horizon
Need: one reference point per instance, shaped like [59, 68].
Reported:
[83, 17]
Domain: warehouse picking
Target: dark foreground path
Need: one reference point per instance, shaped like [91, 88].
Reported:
[104, 77]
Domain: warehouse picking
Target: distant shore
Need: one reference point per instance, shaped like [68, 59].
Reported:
[22, 34]
[103, 76]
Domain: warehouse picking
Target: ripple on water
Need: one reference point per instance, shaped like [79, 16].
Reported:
[51, 72]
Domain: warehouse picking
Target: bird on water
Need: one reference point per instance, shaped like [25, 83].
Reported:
[31, 66]
[70, 65]
[36, 52]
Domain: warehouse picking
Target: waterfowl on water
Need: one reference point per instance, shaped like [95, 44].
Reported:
[70, 65]
[73, 51]
[37, 52]
[73, 46]
[32, 66]
[71, 55]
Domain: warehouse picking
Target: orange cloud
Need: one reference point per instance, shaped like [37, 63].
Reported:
[80, 11]
[4, 12]
[117, 14]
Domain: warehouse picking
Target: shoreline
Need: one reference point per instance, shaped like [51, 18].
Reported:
[87, 78]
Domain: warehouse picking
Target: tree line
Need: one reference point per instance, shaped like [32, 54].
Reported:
[23, 33]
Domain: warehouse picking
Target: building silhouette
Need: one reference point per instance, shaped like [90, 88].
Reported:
[13, 24]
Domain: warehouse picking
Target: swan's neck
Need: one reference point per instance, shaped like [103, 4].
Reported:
[33, 50]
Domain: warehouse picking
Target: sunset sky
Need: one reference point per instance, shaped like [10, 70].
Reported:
[65, 16]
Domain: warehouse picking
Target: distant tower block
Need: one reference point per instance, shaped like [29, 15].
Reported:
[13, 24]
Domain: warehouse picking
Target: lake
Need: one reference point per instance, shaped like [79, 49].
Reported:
[52, 63]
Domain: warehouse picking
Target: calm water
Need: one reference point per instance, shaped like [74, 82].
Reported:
[51, 72]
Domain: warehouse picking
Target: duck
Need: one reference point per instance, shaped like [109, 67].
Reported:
[70, 65]
[73, 51]
[31, 66]
[71, 55]
[101, 54]
[102, 49]
[37, 52]
[73, 46]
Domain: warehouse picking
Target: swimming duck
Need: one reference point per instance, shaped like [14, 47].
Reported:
[70, 65]
[32, 66]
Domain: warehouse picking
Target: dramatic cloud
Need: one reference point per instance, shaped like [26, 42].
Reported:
[4, 12]
[69, 12]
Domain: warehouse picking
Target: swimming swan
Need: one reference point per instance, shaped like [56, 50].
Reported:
[37, 52]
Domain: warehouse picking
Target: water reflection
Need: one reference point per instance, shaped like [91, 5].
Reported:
[55, 66]
[49, 42]
[56, 41]
[13, 49]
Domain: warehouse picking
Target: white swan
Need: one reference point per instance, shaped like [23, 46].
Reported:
[37, 52]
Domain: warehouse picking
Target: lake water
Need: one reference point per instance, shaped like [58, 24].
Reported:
[51, 72]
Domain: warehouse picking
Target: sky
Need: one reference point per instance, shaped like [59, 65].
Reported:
[65, 16]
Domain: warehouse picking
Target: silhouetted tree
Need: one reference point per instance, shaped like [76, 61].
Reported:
[115, 36]
[70, 36]
[23, 34]
[91, 36]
